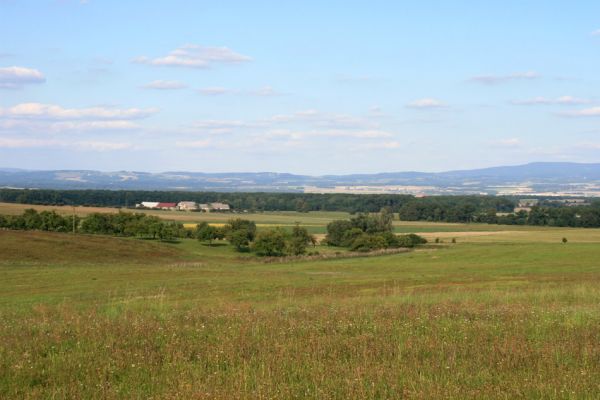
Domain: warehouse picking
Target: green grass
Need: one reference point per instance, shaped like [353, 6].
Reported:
[504, 313]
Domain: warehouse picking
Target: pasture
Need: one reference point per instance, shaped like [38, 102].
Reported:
[505, 312]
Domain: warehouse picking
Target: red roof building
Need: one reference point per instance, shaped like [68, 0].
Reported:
[167, 206]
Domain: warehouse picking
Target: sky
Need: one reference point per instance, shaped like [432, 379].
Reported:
[308, 87]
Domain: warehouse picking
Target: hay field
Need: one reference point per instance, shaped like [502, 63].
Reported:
[510, 313]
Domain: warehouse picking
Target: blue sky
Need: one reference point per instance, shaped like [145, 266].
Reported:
[304, 87]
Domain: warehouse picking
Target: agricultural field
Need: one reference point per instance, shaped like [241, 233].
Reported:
[505, 312]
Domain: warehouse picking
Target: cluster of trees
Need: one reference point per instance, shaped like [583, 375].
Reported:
[367, 232]
[41, 221]
[242, 234]
[119, 224]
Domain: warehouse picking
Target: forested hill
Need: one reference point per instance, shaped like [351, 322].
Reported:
[546, 177]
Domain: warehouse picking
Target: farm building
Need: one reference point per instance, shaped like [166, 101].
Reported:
[147, 204]
[167, 206]
[214, 207]
[220, 206]
[187, 206]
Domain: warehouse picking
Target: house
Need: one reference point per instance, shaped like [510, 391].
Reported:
[204, 207]
[187, 206]
[167, 206]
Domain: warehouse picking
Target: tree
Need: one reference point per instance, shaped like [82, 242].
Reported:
[299, 240]
[239, 239]
[205, 233]
[336, 231]
[271, 242]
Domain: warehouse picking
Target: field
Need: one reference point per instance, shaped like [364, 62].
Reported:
[505, 312]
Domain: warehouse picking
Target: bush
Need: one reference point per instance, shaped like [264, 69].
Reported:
[411, 240]
[271, 242]
[368, 242]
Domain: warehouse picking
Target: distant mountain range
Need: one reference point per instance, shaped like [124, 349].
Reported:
[549, 178]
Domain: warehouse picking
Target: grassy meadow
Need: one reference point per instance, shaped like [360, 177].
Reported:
[505, 312]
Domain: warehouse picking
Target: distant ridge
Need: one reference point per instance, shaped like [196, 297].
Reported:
[539, 176]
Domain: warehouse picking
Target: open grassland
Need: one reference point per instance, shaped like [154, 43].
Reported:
[511, 313]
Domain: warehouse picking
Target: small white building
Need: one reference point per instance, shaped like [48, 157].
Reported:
[147, 204]
[187, 206]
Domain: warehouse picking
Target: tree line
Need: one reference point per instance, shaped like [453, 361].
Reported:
[464, 209]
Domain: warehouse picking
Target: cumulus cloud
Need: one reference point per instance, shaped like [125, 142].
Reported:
[563, 100]
[586, 112]
[497, 79]
[195, 56]
[18, 77]
[55, 112]
[426, 103]
[165, 85]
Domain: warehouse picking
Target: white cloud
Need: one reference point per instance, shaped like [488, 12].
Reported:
[510, 143]
[427, 103]
[214, 91]
[383, 145]
[497, 79]
[17, 77]
[596, 32]
[195, 56]
[165, 85]
[265, 91]
[563, 100]
[54, 112]
[586, 112]
[13, 143]
[195, 144]
[219, 127]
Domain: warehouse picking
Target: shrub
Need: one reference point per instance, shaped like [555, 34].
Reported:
[368, 242]
[271, 242]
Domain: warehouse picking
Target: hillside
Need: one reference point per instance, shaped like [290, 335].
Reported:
[542, 177]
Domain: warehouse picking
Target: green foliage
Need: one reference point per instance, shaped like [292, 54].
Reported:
[299, 241]
[41, 221]
[205, 233]
[240, 232]
[239, 239]
[368, 242]
[271, 242]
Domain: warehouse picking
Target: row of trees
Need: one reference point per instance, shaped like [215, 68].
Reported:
[118, 224]
[42, 221]
[367, 232]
